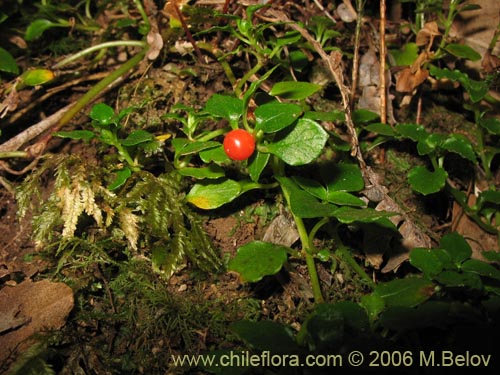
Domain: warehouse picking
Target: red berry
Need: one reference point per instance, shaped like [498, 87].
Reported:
[239, 144]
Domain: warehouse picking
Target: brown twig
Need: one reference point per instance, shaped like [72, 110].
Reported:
[334, 64]
[382, 86]
[188, 33]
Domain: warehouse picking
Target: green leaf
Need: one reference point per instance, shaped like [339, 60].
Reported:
[137, 137]
[213, 195]
[224, 106]
[212, 172]
[86, 135]
[481, 268]
[266, 335]
[382, 129]
[188, 148]
[426, 182]
[406, 55]
[476, 89]
[348, 215]
[427, 261]
[463, 51]
[37, 27]
[303, 204]
[461, 145]
[294, 90]
[332, 116]
[257, 165]
[343, 198]
[35, 77]
[453, 279]
[373, 304]
[361, 116]
[274, 116]
[342, 177]
[492, 125]
[311, 186]
[301, 143]
[458, 248]
[121, 177]
[102, 113]
[408, 292]
[412, 131]
[430, 143]
[257, 259]
[492, 256]
[7, 62]
[215, 154]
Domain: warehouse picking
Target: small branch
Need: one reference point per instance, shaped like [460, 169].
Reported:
[117, 43]
[382, 85]
[188, 33]
[355, 59]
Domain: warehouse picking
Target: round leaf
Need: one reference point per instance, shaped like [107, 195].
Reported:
[427, 261]
[408, 292]
[102, 113]
[301, 144]
[413, 131]
[463, 51]
[224, 106]
[121, 177]
[426, 182]
[481, 268]
[213, 171]
[137, 137]
[266, 335]
[461, 145]
[257, 259]
[7, 62]
[37, 27]
[213, 195]
[343, 177]
[456, 246]
[37, 77]
[76, 134]
[257, 165]
[275, 116]
[294, 90]
[492, 125]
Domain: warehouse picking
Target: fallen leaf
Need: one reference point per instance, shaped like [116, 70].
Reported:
[426, 35]
[29, 308]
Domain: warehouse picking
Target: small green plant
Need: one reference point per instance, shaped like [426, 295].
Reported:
[286, 137]
[107, 126]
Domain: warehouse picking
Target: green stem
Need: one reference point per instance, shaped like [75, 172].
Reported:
[343, 253]
[239, 87]
[471, 213]
[117, 43]
[308, 251]
[98, 87]
[211, 135]
[14, 154]
[480, 144]
[143, 14]
[449, 21]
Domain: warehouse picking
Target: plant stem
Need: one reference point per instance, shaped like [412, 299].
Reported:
[344, 253]
[307, 251]
[99, 86]
[116, 43]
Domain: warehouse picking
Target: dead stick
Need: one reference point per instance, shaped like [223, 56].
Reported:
[382, 86]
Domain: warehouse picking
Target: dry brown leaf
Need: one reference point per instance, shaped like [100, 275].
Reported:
[427, 34]
[477, 238]
[29, 308]
[490, 63]
[407, 81]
